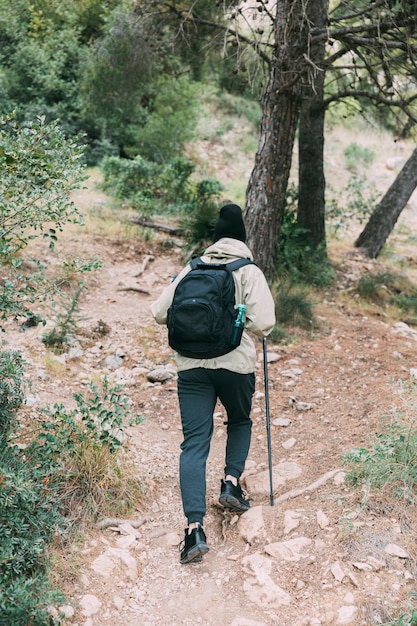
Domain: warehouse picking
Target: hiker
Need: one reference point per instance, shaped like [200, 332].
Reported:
[229, 377]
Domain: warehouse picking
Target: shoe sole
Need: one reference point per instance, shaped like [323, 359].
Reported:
[195, 554]
[233, 504]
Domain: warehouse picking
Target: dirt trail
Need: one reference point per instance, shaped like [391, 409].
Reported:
[315, 558]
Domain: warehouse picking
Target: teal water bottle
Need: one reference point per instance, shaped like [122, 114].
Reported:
[239, 325]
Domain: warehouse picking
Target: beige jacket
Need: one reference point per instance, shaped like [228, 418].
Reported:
[251, 289]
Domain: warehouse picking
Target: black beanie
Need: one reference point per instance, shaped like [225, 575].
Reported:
[230, 223]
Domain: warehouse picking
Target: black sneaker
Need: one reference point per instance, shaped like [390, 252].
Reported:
[194, 546]
[232, 497]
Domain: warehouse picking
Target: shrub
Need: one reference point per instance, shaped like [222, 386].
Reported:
[390, 461]
[71, 471]
[11, 390]
[293, 306]
[39, 170]
[153, 188]
[296, 261]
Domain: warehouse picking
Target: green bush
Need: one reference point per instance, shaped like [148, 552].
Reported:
[153, 188]
[387, 288]
[296, 261]
[66, 323]
[358, 156]
[39, 170]
[293, 306]
[172, 117]
[70, 471]
[389, 462]
[11, 390]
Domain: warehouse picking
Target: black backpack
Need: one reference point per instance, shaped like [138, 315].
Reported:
[202, 314]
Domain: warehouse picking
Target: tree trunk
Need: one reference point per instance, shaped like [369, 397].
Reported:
[384, 217]
[311, 186]
[265, 196]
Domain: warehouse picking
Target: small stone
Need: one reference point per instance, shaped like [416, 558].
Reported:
[281, 421]
[304, 406]
[394, 550]
[90, 604]
[322, 519]
[159, 375]
[337, 571]
[346, 615]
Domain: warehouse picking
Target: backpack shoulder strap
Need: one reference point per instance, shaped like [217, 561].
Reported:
[194, 262]
[235, 265]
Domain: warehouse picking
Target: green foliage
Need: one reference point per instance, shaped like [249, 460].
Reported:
[354, 203]
[241, 107]
[357, 201]
[81, 447]
[29, 518]
[358, 156]
[390, 462]
[386, 288]
[201, 215]
[66, 323]
[117, 72]
[293, 306]
[39, 170]
[11, 390]
[407, 619]
[104, 413]
[171, 118]
[70, 470]
[296, 261]
[157, 188]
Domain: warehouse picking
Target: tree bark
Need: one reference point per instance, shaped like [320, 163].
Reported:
[384, 217]
[265, 196]
[311, 179]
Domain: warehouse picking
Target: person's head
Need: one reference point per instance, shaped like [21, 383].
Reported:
[230, 223]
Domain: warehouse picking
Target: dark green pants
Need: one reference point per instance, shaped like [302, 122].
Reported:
[198, 391]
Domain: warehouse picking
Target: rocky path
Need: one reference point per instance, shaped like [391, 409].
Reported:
[316, 557]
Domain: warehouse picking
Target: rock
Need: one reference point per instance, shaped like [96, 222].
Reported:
[337, 571]
[251, 524]
[260, 588]
[376, 563]
[114, 362]
[361, 566]
[105, 563]
[75, 352]
[125, 542]
[322, 519]
[339, 478]
[67, 610]
[281, 421]
[159, 375]
[346, 615]
[291, 521]
[90, 604]
[127, 529]
[292, 372]
[291, 550]
[258, 484]
[304, 406]
[394, 550]
[289, 443]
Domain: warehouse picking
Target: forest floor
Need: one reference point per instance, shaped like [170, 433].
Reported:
[324, 553]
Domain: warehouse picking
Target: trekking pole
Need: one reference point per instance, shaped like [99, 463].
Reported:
[268, 423]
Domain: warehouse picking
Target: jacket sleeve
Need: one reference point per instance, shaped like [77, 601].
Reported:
[260, 305]
[159, 308]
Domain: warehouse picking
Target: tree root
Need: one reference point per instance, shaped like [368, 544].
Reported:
[294, 493]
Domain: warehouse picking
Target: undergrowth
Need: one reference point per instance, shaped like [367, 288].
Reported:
[67, 471]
